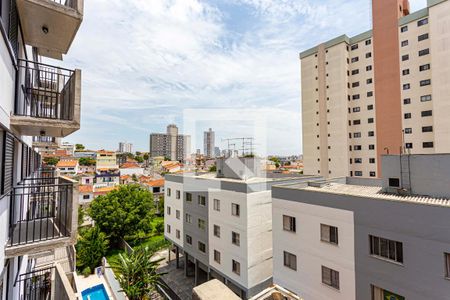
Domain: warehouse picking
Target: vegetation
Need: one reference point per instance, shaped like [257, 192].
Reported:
[92, 245]
[86, 161]
[79, 146]
[81, 214]
[213, 168]
[139, 159]
[136, 273]
[127, 211]
[276, 160]
[146, 156]
[86, 272]
[51, 161]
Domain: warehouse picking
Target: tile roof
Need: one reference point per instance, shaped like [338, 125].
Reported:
[67, 163]
[155, 183]
[129, 165]
[85, 188]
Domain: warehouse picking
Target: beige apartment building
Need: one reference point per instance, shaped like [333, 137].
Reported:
[384, 91]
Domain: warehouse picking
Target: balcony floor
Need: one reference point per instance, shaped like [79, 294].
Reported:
[34, 231]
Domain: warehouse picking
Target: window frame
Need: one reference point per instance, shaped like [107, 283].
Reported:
[333, 280]
[330, 230]
[235, 210]
[381, 248]
[290, 260]
[292, 226]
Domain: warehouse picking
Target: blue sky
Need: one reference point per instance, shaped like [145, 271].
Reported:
[148, 63]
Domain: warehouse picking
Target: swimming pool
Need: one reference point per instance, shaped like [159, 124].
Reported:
[97, 292]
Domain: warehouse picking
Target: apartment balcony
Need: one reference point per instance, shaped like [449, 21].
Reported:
[47, 142]
[50, 25]
[43, 215]
[47, 100]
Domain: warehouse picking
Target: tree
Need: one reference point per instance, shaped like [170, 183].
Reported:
[51, 161]
[86, 161]
[79, 146]
[146, 156]
[136, 273]
[213, 168]
[91, 247]
[123, 212]
[139, 159]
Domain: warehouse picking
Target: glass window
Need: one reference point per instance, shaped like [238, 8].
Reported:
[330, 277]
[188, 218]
[217, 231]
[189, 197]
[422, 22]
[201, 247]
[388, 249]
[201, 224]
[188, 239]
[217, 256]
[216, 204]
[235, 238]
[289, 223]
[236, 267]
[329, 234]
[290, 260]
[235, 209]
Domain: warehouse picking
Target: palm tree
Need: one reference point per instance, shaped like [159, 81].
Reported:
[136, 273]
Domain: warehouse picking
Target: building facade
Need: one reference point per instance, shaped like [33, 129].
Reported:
[125, 147]
[222, 224]
[362, 238]
[39, 104]
[209, 148]
[107, 172]
[171, 144]
[379, 92]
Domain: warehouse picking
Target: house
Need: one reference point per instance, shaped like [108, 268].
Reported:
[68, 167]
[85, 194]
[170, 166]
[131, 168]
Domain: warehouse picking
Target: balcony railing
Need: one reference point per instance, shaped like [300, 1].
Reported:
[45, 91]
[44, 139]
[40, 210]
[36, 285]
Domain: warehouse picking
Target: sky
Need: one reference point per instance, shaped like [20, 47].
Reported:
[232, 65]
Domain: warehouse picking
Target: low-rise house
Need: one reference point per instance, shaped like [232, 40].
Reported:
[131, 168]
[68, 167]
[170, 166]
[87, 169]
[103, 190]
[156, 186]
[87, 178]
[85, 194]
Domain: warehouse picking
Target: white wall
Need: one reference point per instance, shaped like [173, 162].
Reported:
[311, 252]
[175, 204]
[131, 171]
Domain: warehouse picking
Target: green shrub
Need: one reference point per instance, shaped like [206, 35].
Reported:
[86, 272]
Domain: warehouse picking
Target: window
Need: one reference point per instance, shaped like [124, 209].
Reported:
[422, 37]
[405, 72]
[369, 94]
[236, 267]
[358, 160]
[408, 130]
[168, 228]
[188, 197]
[405, 57]
[217, 256]
[188, 218]
[407, 115]
[388, 249]
[424, 52]
[447, 264]
[188, 239]
[394, 182]
[354, 72]
[371, 147]
[177, 194]
[217, 231]
[425, 82]
[329, 233]
[424, 67]
[357, 147]
[177, 214]
[422, 22]
[216, 204]
[357, 134]
[408, 145]
[404, 29]
[406, 86]
[355, 84]
[169, 192]
[201, 247]
[370, 107]
[427, 113]
[290, 260]
[330, 277]
[358, 173]
[356, 109]
[371, 133]
[289, 223]
[235, 238]
[369, 68]
[355, 59]
[368, 42]
[354, 47]
[427, 144]
[235, 209]
[404, 43]
[168, 210]
[407, 101]
[425, 98]
[356, 122]
[355, 97]
[369, 81]
[370, 120]
[371, 160]
[427, 129]
[177, 234]
[201, 224]
[86, 197]
[202, 200]
[372, 174]
[368, 54]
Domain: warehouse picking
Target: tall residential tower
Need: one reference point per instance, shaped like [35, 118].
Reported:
[171, 144]
[209, 143]
[384, 91]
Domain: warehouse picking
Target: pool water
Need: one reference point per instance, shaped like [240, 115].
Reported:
[97, 292]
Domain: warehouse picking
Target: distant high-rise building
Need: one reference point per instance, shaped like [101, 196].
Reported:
[125, 147]
[209, 143]
[384, 91]
[216, 151]
[171, 144]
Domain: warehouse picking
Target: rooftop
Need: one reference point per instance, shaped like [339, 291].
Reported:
[85, 188]
[129, 165]
[340, 186]
[67, 164]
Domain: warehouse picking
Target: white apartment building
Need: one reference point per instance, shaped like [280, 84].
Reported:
[39, 104]
[380, 92]
[362, 238]
[125, 147]
[222, 223]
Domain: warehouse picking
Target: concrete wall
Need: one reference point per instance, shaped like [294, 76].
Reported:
[424, 231]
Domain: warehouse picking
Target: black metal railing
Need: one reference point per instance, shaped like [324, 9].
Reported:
[44, 91]
[68, 3]
[44, 139]
[40, 210]
[36, 285]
